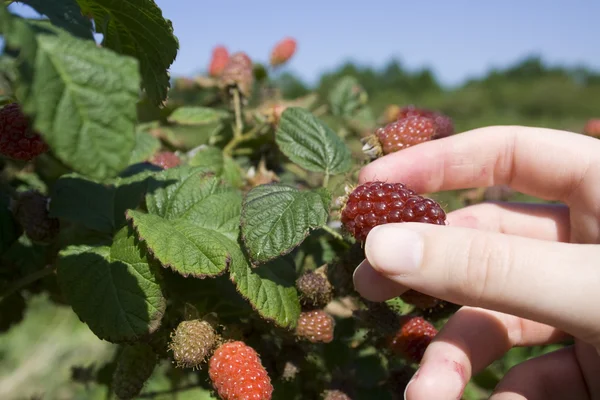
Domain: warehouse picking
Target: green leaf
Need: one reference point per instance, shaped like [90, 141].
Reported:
[65, 14]
[114, 290]
[197, 116]
[81, 97]
[212, 159]
[189, 193]
[269, 289]
[309, 143]
[183, 246]
[347, 97]
[276, 218]
[146, 146]
[137, 28]
[97, 206]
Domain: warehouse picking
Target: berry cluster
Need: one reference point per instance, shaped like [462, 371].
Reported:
[376, 203]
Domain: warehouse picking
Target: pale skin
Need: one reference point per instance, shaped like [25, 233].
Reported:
[526, 275]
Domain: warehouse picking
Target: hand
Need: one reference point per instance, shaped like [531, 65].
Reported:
[526, 274]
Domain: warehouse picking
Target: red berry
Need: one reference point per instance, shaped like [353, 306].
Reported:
[592, 127]
[220, 57]
[377, 203]
[315, 326]
[405, 132]
[165, 159]
[283, 51]
[237, 373]
[444, 124]
[17, 140]
[238, 74]
[412, 339]
[30, 209]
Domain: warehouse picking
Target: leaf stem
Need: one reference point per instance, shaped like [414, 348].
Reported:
[237, 139]
[26, 280]
[237, 108]
[326, 180]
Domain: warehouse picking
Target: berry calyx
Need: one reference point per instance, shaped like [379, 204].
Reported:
[17, 139]
[283, 51]
[30, 210]
[399, 135]
[377, 203]
[165, 159]
[237, 373]
[412, 339]
[315, 289]
[220, 57]
[191, 343]
[315, 326]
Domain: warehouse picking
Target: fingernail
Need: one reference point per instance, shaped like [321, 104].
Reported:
[394, 250]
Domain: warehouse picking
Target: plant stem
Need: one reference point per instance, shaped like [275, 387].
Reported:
[26, 280]
[237, 107]
[237, 139]
[334, 233]
[326, 180]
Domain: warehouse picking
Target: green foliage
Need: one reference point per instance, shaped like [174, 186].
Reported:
[137, 28]
[224, 235]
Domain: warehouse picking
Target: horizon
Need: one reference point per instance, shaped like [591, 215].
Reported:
[498, 37]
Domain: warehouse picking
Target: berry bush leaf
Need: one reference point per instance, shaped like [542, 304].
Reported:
[81, 97]
[145, 146]
[276, 218]
[197, 116]
[65, 14]
[308, 142]
[137, 28]
[190, 193]
[97, 206]
[183, 246]
[212, 159]
[269, 289]
[347, 97]
[113, 289]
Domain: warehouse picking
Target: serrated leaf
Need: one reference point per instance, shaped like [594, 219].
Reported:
[113, 289]
[212, 159]
[346, 97]
[97, 206]
[137, 28]
[308, 142]
[189, 115]
[65, 14]
[183, 246]
[81, 97]
[189, 193]
[269, 289]
[276, 218]
[145, 147]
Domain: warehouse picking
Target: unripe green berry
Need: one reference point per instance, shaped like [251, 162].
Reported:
[192, 342]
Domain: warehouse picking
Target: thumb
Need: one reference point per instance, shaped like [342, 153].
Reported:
[550, 282]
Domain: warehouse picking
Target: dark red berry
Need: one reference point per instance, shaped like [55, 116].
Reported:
[405, 132]
[377, 203]
[412, 339]
[17, 139]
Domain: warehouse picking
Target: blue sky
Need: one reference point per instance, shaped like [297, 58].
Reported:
[457, 39]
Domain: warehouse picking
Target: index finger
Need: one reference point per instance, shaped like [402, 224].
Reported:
[545, 163]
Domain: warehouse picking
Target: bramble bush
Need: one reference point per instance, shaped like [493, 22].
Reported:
[178, 222]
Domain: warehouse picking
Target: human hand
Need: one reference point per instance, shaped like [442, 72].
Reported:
[527, 274]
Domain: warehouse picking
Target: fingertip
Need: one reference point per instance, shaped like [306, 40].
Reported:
[371, 285]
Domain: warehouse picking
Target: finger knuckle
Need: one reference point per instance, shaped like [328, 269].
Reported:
[483, 270]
